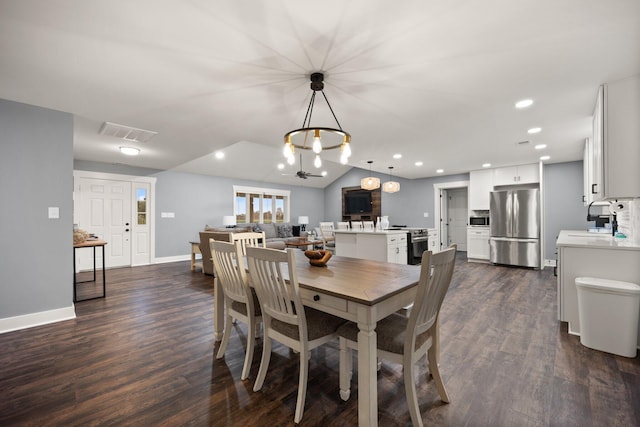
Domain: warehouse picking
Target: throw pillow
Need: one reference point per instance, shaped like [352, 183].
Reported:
[256, 228]
[284, 231]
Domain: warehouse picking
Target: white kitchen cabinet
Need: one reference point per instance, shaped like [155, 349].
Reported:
[587, 170]
[433, 240]
[620, 134]
[480, 185]
[397, 248]
[582, 254]
[522, 174]
[386, 246]
[478, 243]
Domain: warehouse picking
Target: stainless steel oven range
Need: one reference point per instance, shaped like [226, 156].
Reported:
[417, 242]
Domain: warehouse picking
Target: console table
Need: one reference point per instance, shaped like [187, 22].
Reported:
[90, 244]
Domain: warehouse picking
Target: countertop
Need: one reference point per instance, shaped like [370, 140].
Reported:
[361, 231]
[584, 239]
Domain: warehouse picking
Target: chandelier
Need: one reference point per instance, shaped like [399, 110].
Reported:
[314, 143]
[370, 182]
[391, 186]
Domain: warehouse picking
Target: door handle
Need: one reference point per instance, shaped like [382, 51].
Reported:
[593, 188]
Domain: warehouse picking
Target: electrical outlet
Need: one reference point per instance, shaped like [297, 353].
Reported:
[426, 214]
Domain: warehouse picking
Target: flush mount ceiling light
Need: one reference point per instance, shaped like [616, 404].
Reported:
[309, 137]
[524, 103]
[534, 130]
[391, 186]
[370, 182]
[130, 151]
[540, 146]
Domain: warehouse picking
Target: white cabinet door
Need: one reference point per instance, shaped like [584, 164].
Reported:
[478, 243]
[397, 248]
[522, 174]
[597, 141]
[622, 139]
[586, 173]
[480, 185]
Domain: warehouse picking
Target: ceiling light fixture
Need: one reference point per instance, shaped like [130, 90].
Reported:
[391, 186]
[219, 155]
[486, 165]
[540, 146]
[545, 158]
[370, 182]
[397, 156]
[303, 143]
[418, 163]
[440, 171]
[524, 103]
[534, 130]
[130, 151]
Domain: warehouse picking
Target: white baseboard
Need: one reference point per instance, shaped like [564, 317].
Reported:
[30, 320]
[176, 258]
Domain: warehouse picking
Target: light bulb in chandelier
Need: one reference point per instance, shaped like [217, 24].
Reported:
[291, 160]
[317, 162]
[317, 144]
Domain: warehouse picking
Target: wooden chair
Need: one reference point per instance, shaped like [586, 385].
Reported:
[405, 340]
[249, 239]
[285, 319]
[328, 237]
[240, 300]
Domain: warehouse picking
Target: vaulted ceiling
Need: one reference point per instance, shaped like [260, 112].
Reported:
[433, 81]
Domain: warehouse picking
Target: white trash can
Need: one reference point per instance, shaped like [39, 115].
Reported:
[608, 312]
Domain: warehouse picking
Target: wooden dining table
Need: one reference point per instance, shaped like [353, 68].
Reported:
[359, 290]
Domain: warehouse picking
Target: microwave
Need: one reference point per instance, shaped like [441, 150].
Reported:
[478, 220]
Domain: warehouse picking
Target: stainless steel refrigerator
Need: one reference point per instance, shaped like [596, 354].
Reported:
[515, 227]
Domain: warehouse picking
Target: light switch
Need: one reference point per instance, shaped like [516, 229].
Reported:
[426, 214]
[54, 213]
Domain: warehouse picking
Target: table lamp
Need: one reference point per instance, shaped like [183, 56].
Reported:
[229, 221]
[303, 221]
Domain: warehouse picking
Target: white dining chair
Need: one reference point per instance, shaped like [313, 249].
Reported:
[285, 319]
[342, 225]
[328, 236]
[405, 340]
[368, 225]
[249, 239]
[240, 300]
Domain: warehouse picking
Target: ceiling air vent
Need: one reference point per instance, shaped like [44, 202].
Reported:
[126, 132]
[523, 143]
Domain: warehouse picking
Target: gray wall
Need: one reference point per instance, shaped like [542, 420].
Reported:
[36, 162]
[406, 207]
[563, 205]
[199, 200]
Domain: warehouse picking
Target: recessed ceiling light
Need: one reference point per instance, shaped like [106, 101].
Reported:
[280, 166]
[545, 158]
[486, 165]
[534, 130]
[540, 146]
[440, 171]
[418, 163]
[397, 156]
[219, 155]
[524, 103]
[130, 151]
[324, 173]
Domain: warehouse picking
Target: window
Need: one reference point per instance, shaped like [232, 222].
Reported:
[141, 205]
[260, 205]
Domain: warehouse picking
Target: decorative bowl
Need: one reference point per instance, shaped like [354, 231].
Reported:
[318, 258]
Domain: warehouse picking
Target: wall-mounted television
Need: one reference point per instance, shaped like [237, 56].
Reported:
[357, 202]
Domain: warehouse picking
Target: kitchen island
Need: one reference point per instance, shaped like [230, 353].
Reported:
[581, 254]
[376, 245]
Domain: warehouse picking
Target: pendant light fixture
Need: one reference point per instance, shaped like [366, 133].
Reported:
[370, 182]
[391, 186]
[304, 140]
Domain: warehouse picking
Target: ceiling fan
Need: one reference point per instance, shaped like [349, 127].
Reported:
[304, 175]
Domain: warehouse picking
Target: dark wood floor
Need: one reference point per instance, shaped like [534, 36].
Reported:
[145, 356]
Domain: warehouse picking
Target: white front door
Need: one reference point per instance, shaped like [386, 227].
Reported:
[105, 210]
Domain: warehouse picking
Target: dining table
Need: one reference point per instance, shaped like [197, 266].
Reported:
[359, 290]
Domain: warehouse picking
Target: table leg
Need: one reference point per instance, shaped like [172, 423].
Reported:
[104, 272]
[218, 310]
[367, 374]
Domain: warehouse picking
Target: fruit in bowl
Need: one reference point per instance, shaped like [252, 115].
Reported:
[318, 258]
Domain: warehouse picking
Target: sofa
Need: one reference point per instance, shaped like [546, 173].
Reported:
[276, 236]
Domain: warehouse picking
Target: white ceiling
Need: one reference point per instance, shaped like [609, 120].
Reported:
[434, 81]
